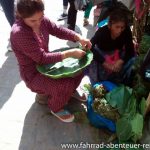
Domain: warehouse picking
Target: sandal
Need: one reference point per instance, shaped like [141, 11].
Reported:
[77, 96]
[64, 115]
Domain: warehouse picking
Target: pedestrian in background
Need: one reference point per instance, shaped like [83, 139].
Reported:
[72, 15]
[87, 13]
[8, 8]
[64, 14]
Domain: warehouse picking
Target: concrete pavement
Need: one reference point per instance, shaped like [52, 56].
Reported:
[26, 125]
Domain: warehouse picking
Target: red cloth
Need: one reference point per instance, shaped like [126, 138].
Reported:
[111, 59]
[31, 50]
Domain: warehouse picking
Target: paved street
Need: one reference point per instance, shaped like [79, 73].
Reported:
[26, 125]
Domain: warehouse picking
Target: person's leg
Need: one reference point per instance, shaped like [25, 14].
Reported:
[92, 72]
[128, 72]
[65, 6]
[41, 99]
[64, 92]
[59, 91]
[72, 14]
[87, 14]
[8, 7]
[88, 10]
[64, 14]
[65, 3]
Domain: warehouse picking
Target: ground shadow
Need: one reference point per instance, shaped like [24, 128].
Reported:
[77, 29]
[90, 31]
[42, 131]
[9, 78]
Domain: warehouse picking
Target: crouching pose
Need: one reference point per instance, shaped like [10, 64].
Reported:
[30, 38]
[113, 50]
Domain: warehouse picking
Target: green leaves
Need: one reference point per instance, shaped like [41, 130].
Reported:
[130, 110]
[142, 106]
[130, 124]
[145, 44]
[69, 67]
[123, 129]
[137, 127]
[130, 128]
[119, 98]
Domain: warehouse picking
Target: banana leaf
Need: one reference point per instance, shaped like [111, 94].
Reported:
[119, 98]
[137, 127]
[69, 67]
[123, 129]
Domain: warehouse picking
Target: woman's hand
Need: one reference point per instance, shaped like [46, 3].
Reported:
[118, 65]
[86, 44]
[75, 53]
[108, 67]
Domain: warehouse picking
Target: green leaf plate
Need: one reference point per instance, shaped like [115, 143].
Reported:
[69, 67]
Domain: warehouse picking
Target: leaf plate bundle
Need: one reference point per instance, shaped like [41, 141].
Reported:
[69, 67]
[121, 106]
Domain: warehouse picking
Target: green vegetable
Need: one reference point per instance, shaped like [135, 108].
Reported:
[99, 91]
[100, 104]
[123, 129]
[119, 97]
[137, 127]
[69, 67]
[130, 124]
[121, 106]
[142, 106]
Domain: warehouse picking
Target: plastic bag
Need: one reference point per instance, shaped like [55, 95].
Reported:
[96, 119]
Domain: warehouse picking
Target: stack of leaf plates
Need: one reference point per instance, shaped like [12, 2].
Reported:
[69, 67]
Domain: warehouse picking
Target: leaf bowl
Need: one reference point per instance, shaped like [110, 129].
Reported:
[69, 67]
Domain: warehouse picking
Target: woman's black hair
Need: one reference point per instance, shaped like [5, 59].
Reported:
[113, 8]
[26, 8]
[118, 15]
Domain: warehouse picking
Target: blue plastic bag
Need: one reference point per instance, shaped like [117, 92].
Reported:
[96, 119]
[102, 23]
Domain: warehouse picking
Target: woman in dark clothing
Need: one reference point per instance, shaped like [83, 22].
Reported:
[113, 50]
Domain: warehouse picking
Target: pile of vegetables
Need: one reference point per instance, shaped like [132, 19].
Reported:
[129, 126]
[121, 106]
[100, 104]
[141, 87]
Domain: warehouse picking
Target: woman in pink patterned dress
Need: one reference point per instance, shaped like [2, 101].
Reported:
[29, 39]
